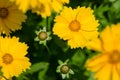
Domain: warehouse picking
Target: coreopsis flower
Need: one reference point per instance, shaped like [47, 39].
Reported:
[42, 36]
[64, 69]
[44, 8]
[10, 17]
[12, 57]
[106, 65]
[25, 5]
[78, 26]
[57, 5]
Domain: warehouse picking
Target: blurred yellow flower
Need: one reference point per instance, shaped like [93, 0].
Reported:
[12, 56]
[78, 26]
[106, 66]
[44, 8]
[24, 5]
[58, 4]
[41, 7]
[10, 17]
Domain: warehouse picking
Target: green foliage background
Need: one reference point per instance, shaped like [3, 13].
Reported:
[44, 61]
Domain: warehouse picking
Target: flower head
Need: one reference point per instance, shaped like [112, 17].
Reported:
[76, 27]
[44, 9]
[58, 4]
[106, 65]
[42, 36]
[12, 57]
[10, 17]
[26, 4]
[64, 69]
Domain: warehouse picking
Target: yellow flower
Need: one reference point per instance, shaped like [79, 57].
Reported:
[78, 26]
[106, 66]
[44, 9]
[12, 56]
[57, 4]
[24, 5]
[10, 17]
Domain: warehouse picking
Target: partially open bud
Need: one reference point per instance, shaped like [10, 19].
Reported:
[42, 36]
[64, 69]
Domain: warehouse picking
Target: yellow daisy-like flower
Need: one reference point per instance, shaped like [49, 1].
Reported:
[44, 8]
[106, 65]
[10, 17]
[12, 56]
[76, 27]
[24, 5]
[57, 4]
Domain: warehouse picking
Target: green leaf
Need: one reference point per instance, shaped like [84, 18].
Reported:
[22, 77]
[41, 74]
[78, 58]
[116, 5]
[61, 43]
[38, 66]
[43, 23]
[91, 76]
[99, 12]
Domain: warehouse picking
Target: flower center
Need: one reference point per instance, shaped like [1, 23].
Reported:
[74, 26]
[7, 58]
[4, 12]
[42, 8]
[64, 69]
[42, 35]
[114, 57]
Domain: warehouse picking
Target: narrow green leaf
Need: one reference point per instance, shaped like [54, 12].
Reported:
[38, 66]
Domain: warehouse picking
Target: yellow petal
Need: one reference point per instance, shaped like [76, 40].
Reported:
[62, 31]
[107, 39]
[95, 44]
[77, 40]
[104, 73]
[96, 62]
[57, 6]
[115, 73]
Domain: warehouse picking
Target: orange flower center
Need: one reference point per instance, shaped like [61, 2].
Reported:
[74, 26]
[42, 8]
[64, 69]
[42, 35]
[7, 58]
[4, 12]
[114, 57]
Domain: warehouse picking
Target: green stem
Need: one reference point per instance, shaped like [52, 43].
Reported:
[48, 49]
[47, 24]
